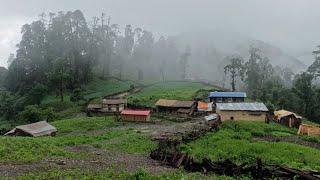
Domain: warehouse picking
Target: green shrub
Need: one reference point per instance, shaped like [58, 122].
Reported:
[34, 113]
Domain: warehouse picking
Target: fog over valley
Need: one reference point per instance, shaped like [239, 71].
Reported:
[288, 24]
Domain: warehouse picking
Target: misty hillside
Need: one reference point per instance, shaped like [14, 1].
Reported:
[210, 48]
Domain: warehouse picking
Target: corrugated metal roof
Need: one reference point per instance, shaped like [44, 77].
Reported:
[94, 106]
[136, 112]
[211, 117]
[174, 103]
[114, 101]
[227, 94]
[255, 106]
[41, 128]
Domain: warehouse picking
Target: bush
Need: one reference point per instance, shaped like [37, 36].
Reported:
[77, 95]
[34, 113]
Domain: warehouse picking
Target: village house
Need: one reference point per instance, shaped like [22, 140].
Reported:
[183, 108]
[135, 115]
[227, 97]
[108, 106]
[113, 105]
[242, 111]
[287, 118]
[37, 129]
[94, 107]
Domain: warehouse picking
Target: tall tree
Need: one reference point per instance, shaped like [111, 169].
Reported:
[142, 51]
[184, 62]
[235, 69]
[60, 76]
[252, 72]
[314, 68]
[304, 89]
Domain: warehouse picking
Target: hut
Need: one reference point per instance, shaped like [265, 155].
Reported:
[113, 105]
[212, 120]
[242, 111]
[184, 108]
[108, 106]
[287, 118]
[94, 107]
[135, 115]
[227, 97]
[37, 129]
[310, 130]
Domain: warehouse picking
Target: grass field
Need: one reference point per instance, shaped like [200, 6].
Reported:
[116, 174]
[73, 132]
[94, 92]
[167, 90]
[84, 139]
[235, 141]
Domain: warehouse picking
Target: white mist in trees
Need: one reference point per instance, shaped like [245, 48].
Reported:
[252, 73]
[184, 63]
[304, 89]
[142, 51]
[107, 34]
[123, 49]
[235, 69]
[159, 53]
[314, 68]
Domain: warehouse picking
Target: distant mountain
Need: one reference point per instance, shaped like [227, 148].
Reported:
[277, 56]
[210, 49]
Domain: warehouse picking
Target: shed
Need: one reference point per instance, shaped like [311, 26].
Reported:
[287, 118]
[135, 115]
[212, 120]
[310, 130]
[94, 107]
[114, 105]
[37, 129]
[224, 97]
[174, 106]
[253, 111]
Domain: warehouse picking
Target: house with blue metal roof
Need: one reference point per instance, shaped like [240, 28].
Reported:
[227, 97]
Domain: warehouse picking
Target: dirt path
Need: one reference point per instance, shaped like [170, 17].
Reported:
[96, 160]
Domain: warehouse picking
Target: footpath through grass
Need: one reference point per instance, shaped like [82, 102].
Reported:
[235, 141]
[167, 90]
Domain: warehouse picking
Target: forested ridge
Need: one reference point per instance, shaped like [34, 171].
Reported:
[61, 53]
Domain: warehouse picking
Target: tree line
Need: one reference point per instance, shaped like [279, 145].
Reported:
[62, 52]
[278, 87]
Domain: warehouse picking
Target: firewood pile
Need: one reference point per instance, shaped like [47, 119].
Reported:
[227, 167]
[168, 153]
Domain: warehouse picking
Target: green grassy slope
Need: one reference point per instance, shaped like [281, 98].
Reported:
[73, 132]
[235, 140]
[94, 91]
[167, 90]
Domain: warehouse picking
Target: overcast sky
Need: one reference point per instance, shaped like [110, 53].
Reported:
[292, 25]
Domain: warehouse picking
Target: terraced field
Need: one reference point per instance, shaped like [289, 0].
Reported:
[167, 90]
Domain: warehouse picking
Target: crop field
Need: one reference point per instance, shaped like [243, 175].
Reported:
[167, 90]
[241, 142]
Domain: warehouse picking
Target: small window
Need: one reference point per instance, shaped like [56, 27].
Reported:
[229, 99]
